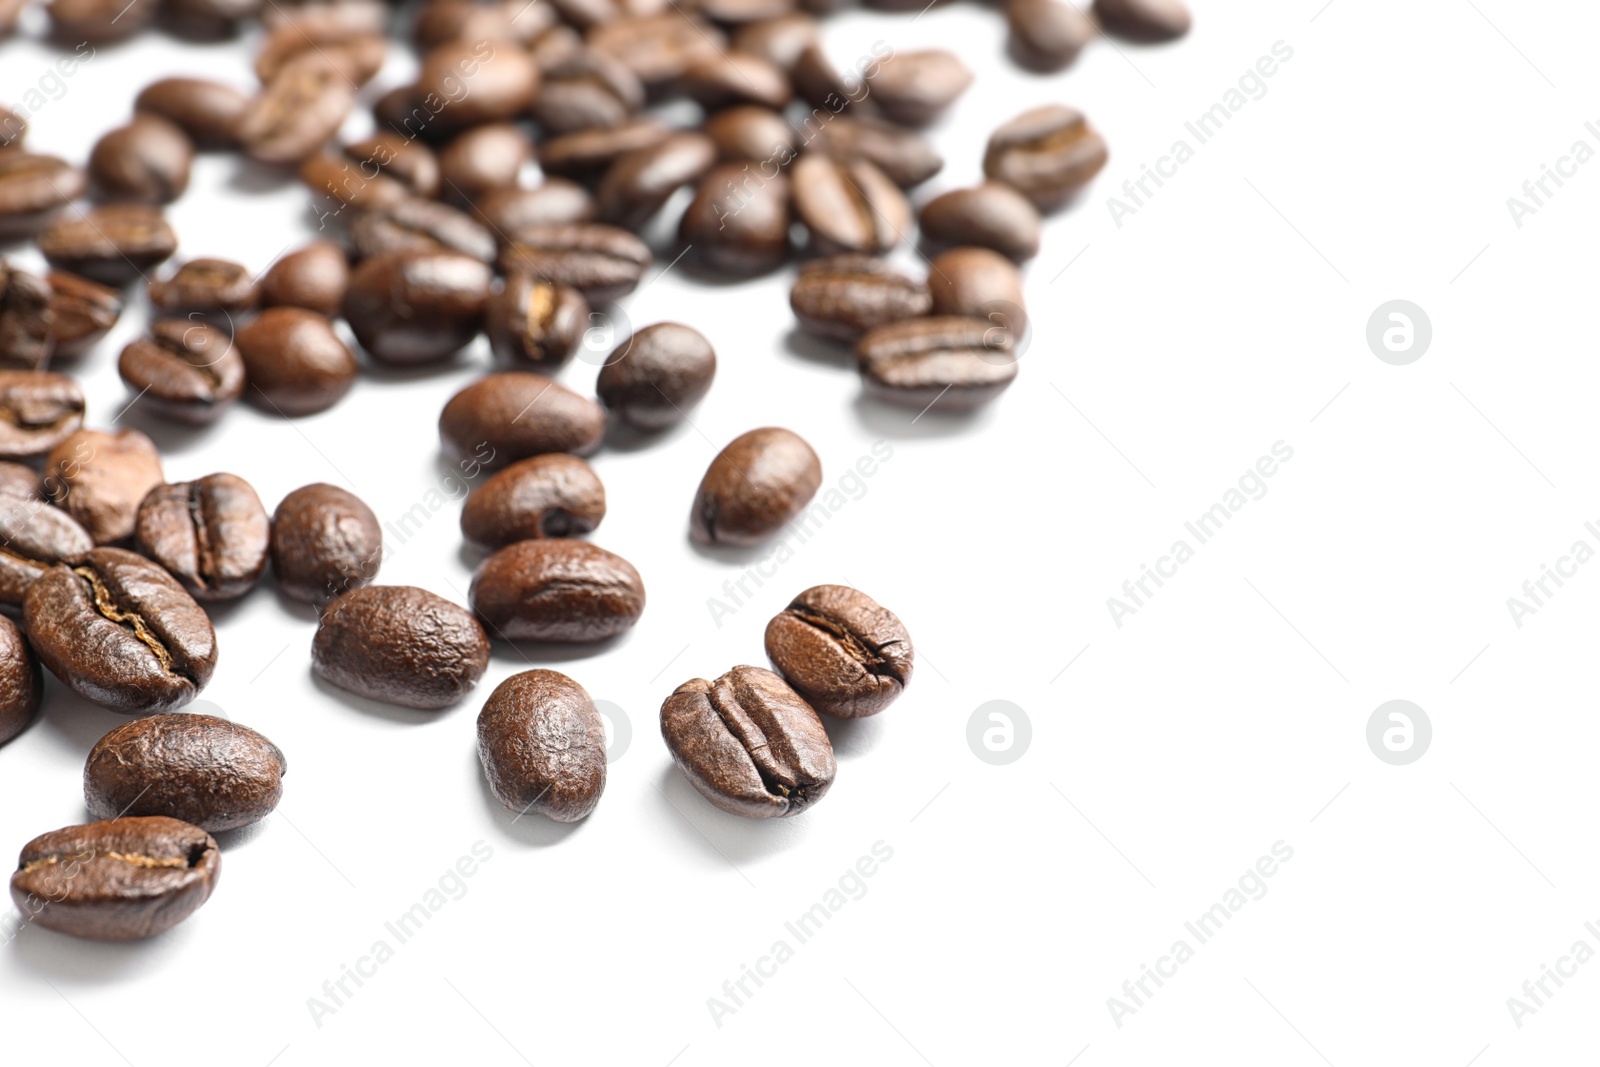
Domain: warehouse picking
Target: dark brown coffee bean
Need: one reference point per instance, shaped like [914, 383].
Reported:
[586, 14]
[658, 48]
[604, 263]
[848, 207]
[417, 307]
[587, 90]
[207, 20]
[298, 111]
[543, 746]
[842, 297]
[294, 362]
[904, 155]
[519, 414]
[313, 277]
[442, 21]
[118, 880]
[21, 681]
[842, 651]
[638, 183]
[342, 183]
[914, 88]
[113, 244]
[207, 771]
[819, 83]
[589, 152]
[755, 485]
[477, 82]
[209, 112]
[738, 222]
[355, 52]
[535, 322]
[737, 78]
[656, 376]
[100, 478]
[34, 535]
[749, 744]
[27, 321]
[553, 47]
[957, 364]
[992, 215]
[553, 495]
[779, 39]
[552, 202]
[146, 161]
[400, 645]
[484, 158]
[741, 11]
[1046, 154]
[1047, 35]
[83, 313]
[1144, 20]
[753, 134]
[216, 288]
[325, 542]
[13, 127]
[401, 159]
[556, 590]
[96, 21]
[210, 534]
[38, 410]
[979, 283]
[34, 189]
[420, 225]
[120, 631]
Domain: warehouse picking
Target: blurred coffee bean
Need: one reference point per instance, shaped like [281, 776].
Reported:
[100, 478]
[738, 222]
[442, 21]
[487, 157]
[417, 306]
[588, 90]
[211, 287]
[553, 201]
[535, 322]
[516, 414]
[779, 39]
[904, 155]
[1047, 35]
[1046, 154]
[27, 320]
[208, 111]
[13, 126]
[294, 362]
[639, 183]
[753, 134]
[97, 21]
[1144, 20]
[604, 263]
[954, 364]
[297, 112]
[312, 277]
[146, 161]
[420, 226]
[659, 48]
[83, 312]
[403, 159]
[654, 378]
[34, 189]
[737, 78]
[113, 243]
[353, 49]
[980, 283]
[842, 297]
[914, 88]
[991, 215]
[38, 410]
[586, 153]
[482, 81]
[848, 207]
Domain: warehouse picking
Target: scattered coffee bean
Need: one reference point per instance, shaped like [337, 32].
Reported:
[34, 189]
[355, 51]
[1144, 20]
[211, 534]
[325, 542]
[585, 153]
[535, 322]
[484, 81]
[1047, 35]
[206, 20]
[991, 215]
[979, 283]
[952, 363]
[779, 39]
[442, 21]
[914, 88]
[553, 47]
[543, 746]
[21, 681]
[298, 111]
[755, 485]
[484, 158]
[399, 159]
[737, 78]
[417, 306]
[904, 155]
[556, 590]
[27, 321]
[113, 244]
[740, 11]
[658, 48]
[752, 134]
[848, 207]
[818, 82]
[842, 651]
[209, 112]
[737, 224]
[1046, 154]
[207, 771]
[146, 161]
[842, 297]
[96, 21]
[343, 184]
[554, 201]
[604, 263]
[400, 645]
[419, 225]
[294, 362]
[218, 288]
[518, 414]
[34, 535]
[553, 495]
[640, 182]
[38, 410]
[83, 311]
[99, 478]
[313, 277]
[655, 377]
[587, 90]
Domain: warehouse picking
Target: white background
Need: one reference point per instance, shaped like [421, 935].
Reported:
[1228, 714]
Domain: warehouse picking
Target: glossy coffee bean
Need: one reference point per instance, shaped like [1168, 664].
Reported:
[419, 226]
[659, 48]
[552, 47]
[417, 307]
[146, 161]
[34, 189]
[991, 215]
[96, 21]
[313, 277]
[904, 155]
[484, 81]
[34, 535]
[749, 744]
[400, 645]
[21, 681]
[556, 590]
[217, 288]
[587, 90]
[846, 654]
[354, 51]
[534, 322]
[27, 321]
[779, 38]
[819, 83]
[1047, 35]
[552, 202]
[298, 111]
[654, 378]
[553, 495]
[82, 312]
[484, 158]
[848, 207]
[518, 414]
[738, 223]
[38, 410]
[208, 111]
[338, 182]
[737, 78]
[100, 478]
[442, 21]
[325, 542]
[949, 362]
[207, 771]
[113, 244]
[755, 485]
[638, 184]
[543, 746]
[979, 283]
[118, 880]
[916, 87]
[585, 153]
[1046, 154]
[403, 160]
[752, 134]
[120, 631]
[1144, 20]
[295, 363]
[604, 263]
[741, 11]
[212, 534]
[842, 297]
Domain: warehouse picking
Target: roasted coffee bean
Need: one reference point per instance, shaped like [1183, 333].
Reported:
[298, 111]
[553, 47]
[534, 322]
[842, 651]
[638, 183]
[146, 161]
[656, 376]
[209, 112]
[354, 51]
[819, 83]
[587, 90]
[96, 21]
[400, 645]
[753, 134]
[313, 277]
[1046, 154]
[218, 288]
[737, 78]
[604, 263]
[737, 223]
[658, 48]
[325, 542]
[211, 534]
[1047, 35]
[442, 21]
[294, 362]
[755, 485]
[117, 880]
[488, 157]
[842, 297]
[914, 88]
[120, 631]
[420, 225]
[992, 215]
[207, 771]
[904, 155]
[27, 321]
[543, 746]
[551, 203]
[34, 189]
[848, 207]
[553, 495]
[739, 11]
[113, 244]
[1144, 20]
[956, 364]
[13, 127]
[589, 152]
[484, 81]
[83, 312]
[518, 414]
[401, 159]
[34, 535]
[342, 184]
[556, 590]
[749, 743]
[38, 410]
[978, 283]
[779, 39]
[207, 20]
[21, 681]
[100, 477]
[417, 307]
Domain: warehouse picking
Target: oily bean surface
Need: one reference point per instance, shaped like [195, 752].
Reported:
[38, 410]
[535, 322]
[295, 362]
[991, 215]
[737, 227]
[34, 534]
[543, 746]
[34, 189]
[518, 414]
[656, 376]
[417, 307]
[208, 111]
[848, 207]
[21, 681]
[313, 277]
[184, 371]
[400, 645]
[557, 590]
[212, 534]
[146, 161]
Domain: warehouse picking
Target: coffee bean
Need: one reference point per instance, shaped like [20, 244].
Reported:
[211, 534]
[588, 152]
[313, 277]
[294, 362]
[120, 631]
[344, 184]
[979, 283]
[184, 371]
[991, 215]
[1047, 35]
[956, 364]
[34, 536]
[209, 112]
[21, 681]
[354, 51]
[749, 744]
[417, 307]
[842, 297]
[34, 189]
[100, 477]
[518, 414]
[737, 223]
[1144, 20]
[483, 81]
[553, 495]
[97, 21]
[848, 207]
[534, 322]
[38, 410]
[656, 376]
[83, 312]
[113, 244]
[419, 225]
[217, 288]
[207, 771]
[639, 183]
[146, 161]
[325, 542]
[207, 20]
[818, 82]
[298, 111]
[543, 746]
[553, 47]
[442, 21]
[400, 645]
[552, 202]
[914, 88]
[739, 11]
[13, 126]
[604, 263]
[658, 48]
[404, 160]
[737, 78]
[753, 134]
[556, 590]
[117, 880]
[484, 158]
[755, 485]
[587, 90]
[842, 651]
[779, 39]
[905, 156]
[1046, 154]
[27, 321]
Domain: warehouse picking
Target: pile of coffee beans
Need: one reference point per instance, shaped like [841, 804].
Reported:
[437, 237]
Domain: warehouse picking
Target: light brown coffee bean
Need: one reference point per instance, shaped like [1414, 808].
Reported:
[754, 486]
[991, 215]
[979, 283]
[34, 189]
[904, 155]
[208, 111]
[848, 207]
[218, 288]
[100, 478]
[1047, 35]
[543, 746]
[950, 363]
[1144, 20]
[779, 39]
[916, 87]
[737, 78]
[146, 161]
[313, 277]
[298, 111]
